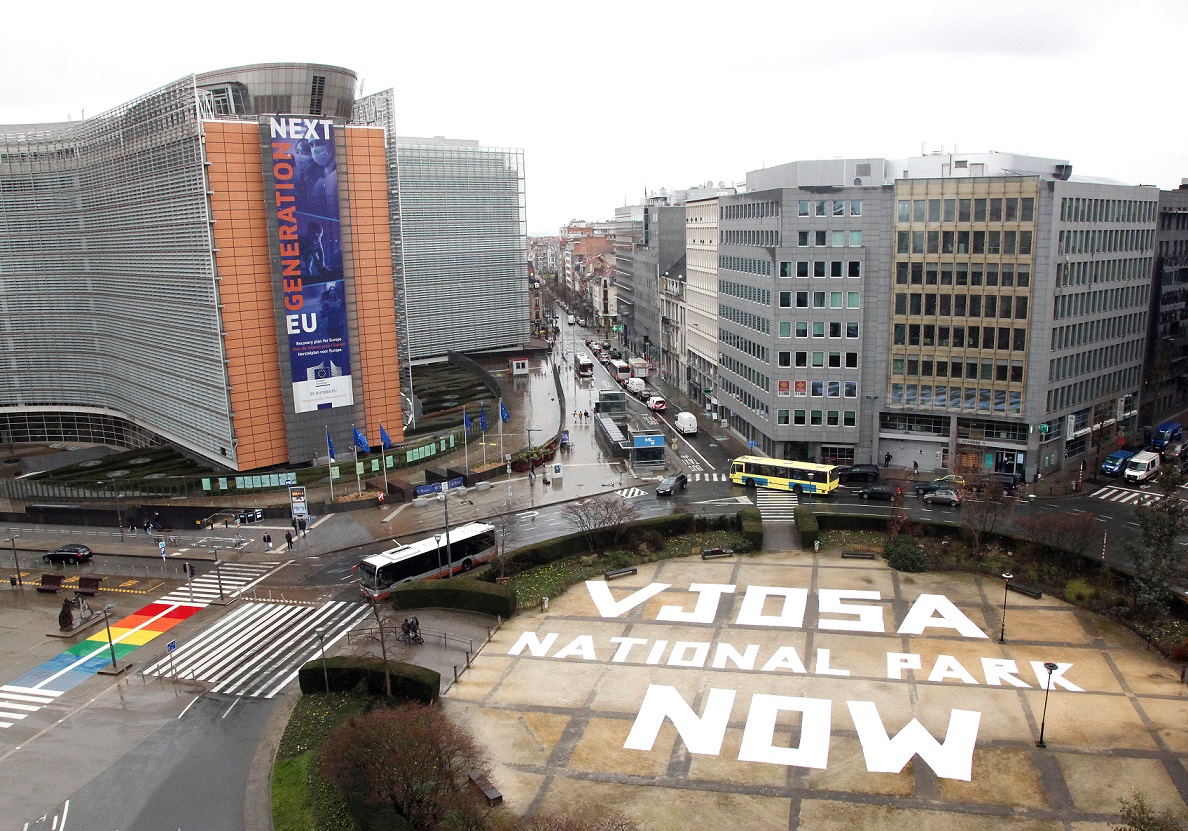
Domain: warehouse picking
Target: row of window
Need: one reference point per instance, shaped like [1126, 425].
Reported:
[914, 366]
[981, 399]
[1008, 243]
[819, 359]
[959, 305]
[848, 418]
[832, 239]
[962, 274]
[747, 265]
[1071, 395]
[959, 337]
[1079, 209]
[747, 372]
[1096, 302]
[851, 299]
[1105, 241]
[1092, 360]
[755, 350]
[938, 425]
[744, 292]
[821, 268]
[1112, 270]
[745, 397]
[1009, 209]
[767, 239]
[828, 207]
[1091, 331]
[751, 321]
[820, 389]
[818, 329]
[750, 210]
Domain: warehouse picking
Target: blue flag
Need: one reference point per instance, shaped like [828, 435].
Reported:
[361, 441]
[385, 438]
[330, 445]
[466, 420]
[482, 418]
[503, 412]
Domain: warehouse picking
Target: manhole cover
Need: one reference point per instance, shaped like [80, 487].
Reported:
[156, 476]
[142, 460]
[114, 474]
[91, 463]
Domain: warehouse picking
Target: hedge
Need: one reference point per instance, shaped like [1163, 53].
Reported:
[346, 672]
[806, 526]
[457, 593]
[752, 527]
[904, 554]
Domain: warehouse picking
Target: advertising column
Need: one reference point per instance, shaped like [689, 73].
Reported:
[302, 165]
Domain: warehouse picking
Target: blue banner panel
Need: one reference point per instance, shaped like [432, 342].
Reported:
[648, 441]
[304, 169]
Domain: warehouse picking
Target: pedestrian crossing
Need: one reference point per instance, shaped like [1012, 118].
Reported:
[776, 506]
[227, 581]
[1125, 496]
[710, 477]
[18, 702]
[258, 648]
[630, 493]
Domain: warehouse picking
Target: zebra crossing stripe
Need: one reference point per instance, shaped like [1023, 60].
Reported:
[630, 493]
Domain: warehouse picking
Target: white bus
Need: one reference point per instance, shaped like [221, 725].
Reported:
[468, 546]
[619, 370]
[584, 366]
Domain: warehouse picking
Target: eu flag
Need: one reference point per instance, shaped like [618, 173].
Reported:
[361, 441]
[503, 412]
[330, 445]
[385, 438]
[482, 418]
[466, 421]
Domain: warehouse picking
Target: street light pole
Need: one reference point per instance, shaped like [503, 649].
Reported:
[119, 513]
[1005, 588]
[15, 561]
[444, 496]
[1050, 667]
[322, 644]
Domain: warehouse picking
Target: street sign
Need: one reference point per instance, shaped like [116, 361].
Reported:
[172, 645]
[1044, 429]
[751, 443]
[162, 546]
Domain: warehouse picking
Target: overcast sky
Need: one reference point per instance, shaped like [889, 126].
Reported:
[609, 98]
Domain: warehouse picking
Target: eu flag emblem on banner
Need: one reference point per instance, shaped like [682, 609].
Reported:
[330, 445]
[361, 441]
[466, 420]
[503, 412]
[385, 438]
[483, 417]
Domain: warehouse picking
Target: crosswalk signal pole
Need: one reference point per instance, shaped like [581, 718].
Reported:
[189, 567]
[214, 552]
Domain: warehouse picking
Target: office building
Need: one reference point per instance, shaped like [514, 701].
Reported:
[1165, 385]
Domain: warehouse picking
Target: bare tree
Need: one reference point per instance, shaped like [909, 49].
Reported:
[1157, 564]
[1074, 533]
[600, 518]
[377, 611]
[506, 530]
[981, 518]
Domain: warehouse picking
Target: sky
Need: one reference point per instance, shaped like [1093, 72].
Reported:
[609, 101]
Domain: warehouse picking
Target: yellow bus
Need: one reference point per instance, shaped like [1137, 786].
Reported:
[783, 475]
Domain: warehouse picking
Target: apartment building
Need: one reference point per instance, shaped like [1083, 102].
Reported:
[1165, 386]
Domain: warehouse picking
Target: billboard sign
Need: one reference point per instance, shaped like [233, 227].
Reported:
[297, 500]
[301, 168]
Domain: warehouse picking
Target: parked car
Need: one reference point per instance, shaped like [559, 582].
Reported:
[952, 482]
[885, 492]
[671, 484]
[1007, 483]
[858, 473]
[1115, 463]
[945, 496]
[72, 553]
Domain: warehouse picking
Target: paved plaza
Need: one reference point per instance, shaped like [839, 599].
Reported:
[806, 691]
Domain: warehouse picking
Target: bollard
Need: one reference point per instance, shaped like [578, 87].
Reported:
[468, 659]
[816, 545]
[544, 604]
[455, 674]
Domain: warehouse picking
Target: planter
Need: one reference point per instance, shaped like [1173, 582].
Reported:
[520, 465]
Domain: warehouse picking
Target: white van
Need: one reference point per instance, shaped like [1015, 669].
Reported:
[1142, 466]
[686, 423]
[635, 385]
[571, 320]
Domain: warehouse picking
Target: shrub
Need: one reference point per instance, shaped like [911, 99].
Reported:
[806, 526]
[904, 554]
[1179, 651]
[345, 673]
[456, 593]
[752, 527]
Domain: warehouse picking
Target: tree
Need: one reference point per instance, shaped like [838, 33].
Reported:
[379, 622]
[1157, 565]
[506, 529]
[600, 518]
[1137, 815]
[410, 759]
[981, 518]
[1074, 533]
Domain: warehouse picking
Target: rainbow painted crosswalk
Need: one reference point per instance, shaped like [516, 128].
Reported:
[42, 685]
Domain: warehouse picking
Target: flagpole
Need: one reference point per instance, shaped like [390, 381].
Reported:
[483, 427]
[384, 465]
[330, 464]
[465, 440]
[355, 444]
[502, 457]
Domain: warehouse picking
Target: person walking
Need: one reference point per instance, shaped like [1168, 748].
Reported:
[289, 540]
[887, 460]
[132, 528]
[915, 469]
[268, 542]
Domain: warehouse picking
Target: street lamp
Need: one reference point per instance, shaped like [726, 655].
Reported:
[1050, 667]
[444, 498]
[437, 545]
[107, 626]
[15, 561]
[1006, 576]
[119, 513]
[321, 630]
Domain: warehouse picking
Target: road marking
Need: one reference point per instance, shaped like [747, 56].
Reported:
[188, 706]
[392, 515]
[631, 493]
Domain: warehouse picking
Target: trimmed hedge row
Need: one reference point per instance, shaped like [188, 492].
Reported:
[462, 593]
[751, 523]
[345, 672]
[806, 526]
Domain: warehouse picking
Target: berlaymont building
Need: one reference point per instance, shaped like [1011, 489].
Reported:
[223, 264]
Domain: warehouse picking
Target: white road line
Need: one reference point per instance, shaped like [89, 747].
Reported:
[188, 706]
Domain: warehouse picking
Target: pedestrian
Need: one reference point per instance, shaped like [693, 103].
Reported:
[268, 542]
[238, 522]
[225, 524]
[132, 528]
[293, 522]
[915, 469]
[148, 527]
[887, 460]
[405, 629]
[414, 625]
[289, 540]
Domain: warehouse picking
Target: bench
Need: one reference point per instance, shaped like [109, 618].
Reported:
[620, 572]
[490, 792]
[1022, 588]
[51, 583]
[88, 586]
[848, 554]
[710, 553]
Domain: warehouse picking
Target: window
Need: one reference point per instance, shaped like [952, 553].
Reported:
[902, 242]
[853, 299]
[819, 238]
[784, 358]
[833, 389]
[856, 207]
[963, 206]
[802, 359]
[933, 242]
[851, 389]
[835, 329]
[950, 210]
[818, 300]
[1019, 340]
[785, 329]
[802, 238]
[979, 210]
[897, 366]
[801, 299]
[821, 208]
[785, 299]
[802, 268]
[835, 268]
[815, 418]
[818, 359]
[839, 239]
[1025, 242]
[817, 389]
[917, 242]
[855, 239]
[798, 417]
[919, 207]
[835, 299]
[1020, 308]
[819, 268]
[803, 208]
[904, 210]
[839, 207]
[855, 268]
[934, 210]
[835, 360]
[1027, 209]
[852, 360]
[852, 330]
[849, 418]
[914, 304]
[781, 416]
[996, 210]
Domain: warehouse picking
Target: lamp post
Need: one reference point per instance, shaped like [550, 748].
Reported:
[107, 626]
[437, 545]
[15, 561]
[321, 630]
[119, 513]
[1050, 667]
[1006, 585]
[444, 496]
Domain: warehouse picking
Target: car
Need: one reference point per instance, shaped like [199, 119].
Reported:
[887, 492]
[1006, 483]
[946, 496]
[72, 553]
[581, 321]
[952, 482]
[858, 473]
[656, 403]
[671, 484]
